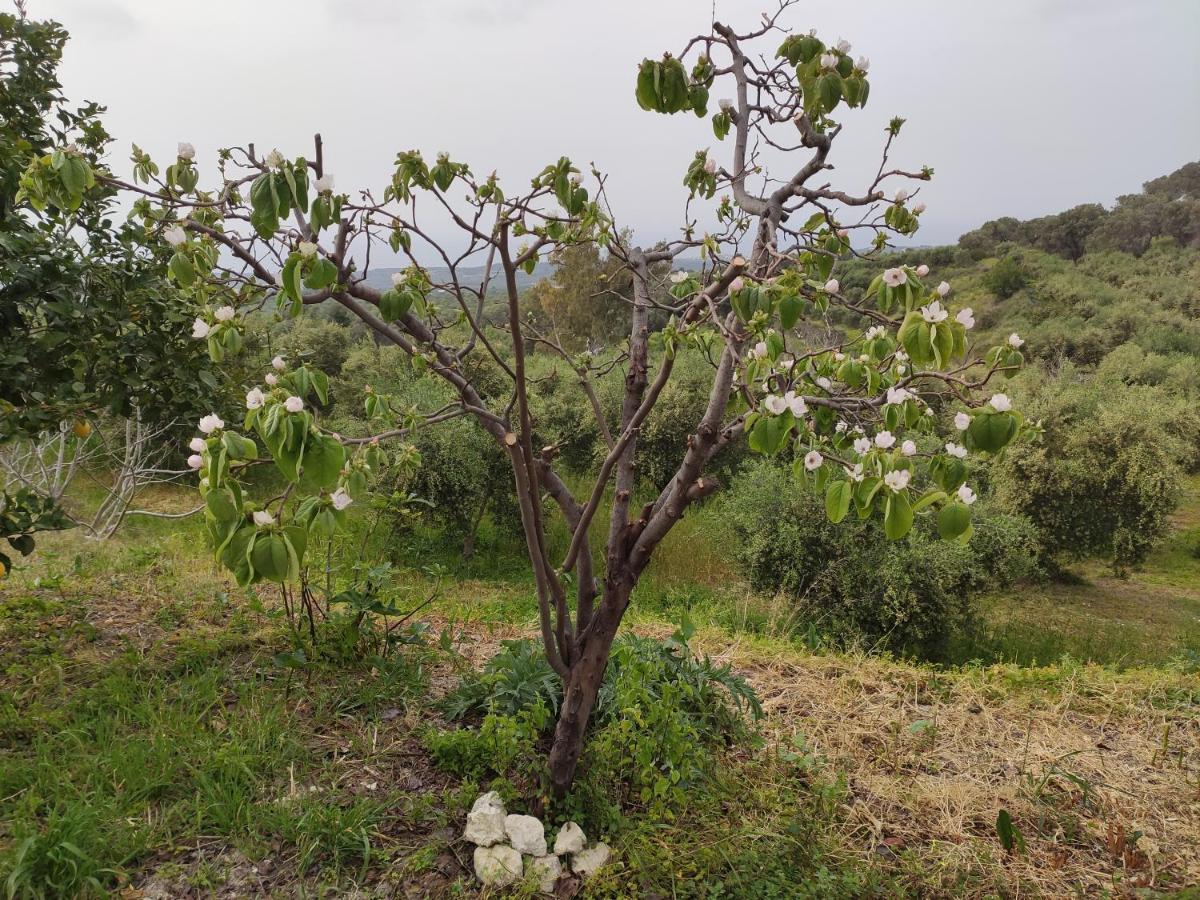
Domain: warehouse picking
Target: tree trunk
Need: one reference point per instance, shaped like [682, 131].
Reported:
[579, 696]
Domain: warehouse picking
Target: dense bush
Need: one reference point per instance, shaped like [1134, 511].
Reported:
[1006, 277]
[1103, 479]
[660, 715]
[909, 595]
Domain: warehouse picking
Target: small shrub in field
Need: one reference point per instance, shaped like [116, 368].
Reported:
[909, 595]
[1005, 278]
[660, 715]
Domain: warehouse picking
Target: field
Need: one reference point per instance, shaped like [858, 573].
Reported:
[154, 744]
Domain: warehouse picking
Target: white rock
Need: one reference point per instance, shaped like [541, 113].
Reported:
[548, 868]
[490, 801]
[526, 833]
[485, 827]
[499, 865]
[571, 839]
[589, 862]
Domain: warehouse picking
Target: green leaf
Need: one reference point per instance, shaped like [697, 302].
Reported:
[992, 431]
[222, 504]
[271, 557]
[837, 500]
[954, 520]
[322, 463]
[897, 517]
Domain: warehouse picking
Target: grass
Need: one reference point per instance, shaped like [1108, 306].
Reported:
[150, 739]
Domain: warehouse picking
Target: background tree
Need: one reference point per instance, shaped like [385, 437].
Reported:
[274, 231]
[88, 323]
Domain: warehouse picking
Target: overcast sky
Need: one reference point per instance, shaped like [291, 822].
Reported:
[1022, 107]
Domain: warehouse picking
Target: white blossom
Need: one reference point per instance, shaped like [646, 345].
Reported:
[275, 159]
[775, 404]
[795, 403]
[897, 479]
[679, 277]
[200, 329]
[341, 499]
[901, 370]
[813, 460]
[197, 445]
[225, 314]
[875, 332]
[843, 45]
[211, 423]
[838, 356]
[195, 461]
[956, 450]
[863, 63]
[901, 195]
[909, 448]
[895, 277]
[922, 270]
[726, 104]
[1015, 341]
[1001, 403]
[966, 495]
[900, 355]
[174, 235]
[278, 364]
[896, 396]
[824, 383]
[324, 184]
[263, 518]
[272, 379]
[884, 440]
[307, 249]
[934, 313]
[832, 286]
[918, 208]
[710, 166]
[828, 60]
[186, 150]
[840, 427]
[862, 445]
[255, 398]
[785, 363]
[966, 318]
[943, 288]
[855, 472]
[760, 350]
[843, 233]
[736, 285]
[293, 404]
[962, 421]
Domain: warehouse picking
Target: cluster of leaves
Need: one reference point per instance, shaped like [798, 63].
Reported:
[22, 514]
[665, 86]
[823, 86]
[254, 543]
[660, 708]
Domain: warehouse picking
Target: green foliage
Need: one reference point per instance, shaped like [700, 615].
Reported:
[659, 715]
[1005, 278]
[911, 595]
[1102, 480]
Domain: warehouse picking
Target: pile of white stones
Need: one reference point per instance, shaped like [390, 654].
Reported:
[507, 846]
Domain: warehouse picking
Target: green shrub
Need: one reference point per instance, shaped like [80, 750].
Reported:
[660, 715]
[909, 596]
[1005, 278]
[1104, 477]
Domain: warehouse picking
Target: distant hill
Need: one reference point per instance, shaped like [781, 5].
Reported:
[382, 278]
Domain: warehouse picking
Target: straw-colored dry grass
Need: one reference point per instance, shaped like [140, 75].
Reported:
[1100, 772]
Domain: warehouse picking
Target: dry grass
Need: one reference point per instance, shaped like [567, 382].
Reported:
[1082, 759]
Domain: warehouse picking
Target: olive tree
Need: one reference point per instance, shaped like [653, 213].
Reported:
[273, 229]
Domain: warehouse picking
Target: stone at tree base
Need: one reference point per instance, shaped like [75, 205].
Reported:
[526, 833]
[499, 865]
[485, 827]
[588, 862]
[548, 868]
[490, 801]
[571, 839]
